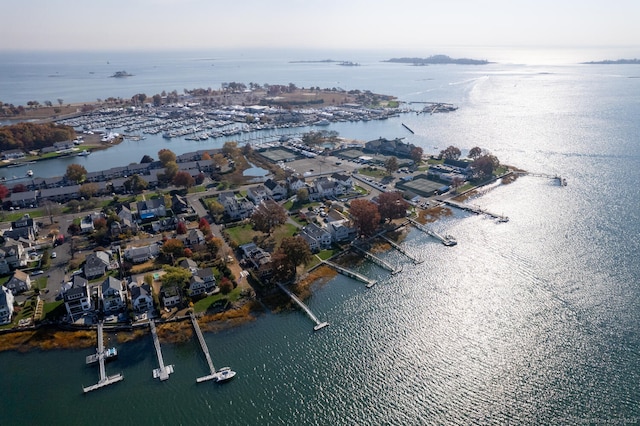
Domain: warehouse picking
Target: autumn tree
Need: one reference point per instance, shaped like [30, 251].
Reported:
[484, 166]
[166, 156]
[203, 225]
[365, 216]
[173, 248]
[181, 228]
[205, 157]
[268, 215]
[215, 208]
[135, 184]
[226, 285]
[170, 172]
[475, 152]
[296, 250]
[450, 153]
[416, 154]
[391, 165]
[183, 179]
[4, 191]
[175, 276]
[230, 148]
[391, 205]
[88, 190]
[20, 187]
[219, 160]
[75, 173]
[302, 195]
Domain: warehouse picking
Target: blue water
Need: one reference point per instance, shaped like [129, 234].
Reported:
[533, 321]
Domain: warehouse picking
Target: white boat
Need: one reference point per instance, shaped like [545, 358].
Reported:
[224, 374]
[83, 153]
[29, 173]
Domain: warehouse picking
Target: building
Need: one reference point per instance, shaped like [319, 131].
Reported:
[19, 282]
[235, 208]
[317, 238]
[257, 194]
[12, 256]
[112, 296]
[25, 228]
[142, 254]
[6, 305]
[196, 286]
[141, 297]
[12, 154]
[96, 264]
[170, 296]
[151, 209]
[275, 190]
[77, 299]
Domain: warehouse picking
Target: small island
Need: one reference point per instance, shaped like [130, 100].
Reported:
[438, 60]
[121, 74]
[614, 62]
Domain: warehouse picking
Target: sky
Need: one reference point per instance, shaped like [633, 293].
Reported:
[313, 24]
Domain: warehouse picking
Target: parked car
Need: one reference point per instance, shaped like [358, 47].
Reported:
[53, 255]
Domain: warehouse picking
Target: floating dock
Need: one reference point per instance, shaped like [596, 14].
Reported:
[349, 273]
[407, 127]
[162, 372]
[476, 210]
[448, 241]
[213, 375]
[401, 250]
[100, 355]
[319, 324]
[375, 259]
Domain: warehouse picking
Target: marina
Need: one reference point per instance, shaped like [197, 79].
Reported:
[319, 324]
[100, 356]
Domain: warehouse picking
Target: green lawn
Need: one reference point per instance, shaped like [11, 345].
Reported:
[15, 215]
[196, 189]
[203, 304]
[373, 172]
[244, 234]
[323, 254]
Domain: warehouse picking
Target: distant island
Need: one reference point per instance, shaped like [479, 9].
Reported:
[616, 62]
[314, 62]
[121, 74]
[438, 60]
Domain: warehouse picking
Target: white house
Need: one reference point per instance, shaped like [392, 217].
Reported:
[257, 194]
[112, 295]
[316, 237]
[170, 296]
[6, 305]
[275, 190]
[141, 297]
[77, 299]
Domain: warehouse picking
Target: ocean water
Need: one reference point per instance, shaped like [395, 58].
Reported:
[533, 321]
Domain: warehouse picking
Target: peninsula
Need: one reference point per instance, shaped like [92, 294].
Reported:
[614, 62]
[438, 60]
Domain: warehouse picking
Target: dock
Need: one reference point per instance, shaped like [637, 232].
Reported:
[319, 324]
[393, 244]
[407, 127]
[351, 274]
[162, 372]
[205, 350]
[448, 240]
[477, 210]
[375, 259]
[100, 354]
[561, 180]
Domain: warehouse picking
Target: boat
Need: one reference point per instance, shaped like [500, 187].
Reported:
[108, 355]
[83, 153]
[29, 173]
[224, 374]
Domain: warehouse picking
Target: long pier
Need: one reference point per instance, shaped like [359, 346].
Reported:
[205, 350]
[407, 127]
[476, 210]
[393, 244]
[375, 259]
[100, 353]
[352, 274]
[447, 241]
[562, 181]
[319, 324]
[162, 372]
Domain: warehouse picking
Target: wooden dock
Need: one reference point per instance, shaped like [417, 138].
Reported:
[448, 241]
[375, 259]
[212, 375]
[100, 354]
[477, 210]
[562, 181]
[162, 372]
[401, 250]
[319, 324]
[407, 127]
[349, 273]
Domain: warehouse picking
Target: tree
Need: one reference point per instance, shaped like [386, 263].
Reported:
[203, 225]
[146, 159]
[451, 153]
[173, 248]
[199, 179]
[475, 152]
[16, 188]
[4, 191]
[175, 276]
[219, 160]
[484, 166]
[226, 286]
[170, 171]
[183, 179]
[205, 157]
[230, 148]
[135, 183]
[391, 165]
[416, 154]
[365, 216]
[157, 100]
[181, 228]
[60, 101]
[215, 208]
[268, 215]
[391, 205]
[52, 209]
[88, 190]
[302, 195]
[166, 156]
[296, 250]
[75, 173]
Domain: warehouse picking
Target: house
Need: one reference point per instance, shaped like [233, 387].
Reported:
[343, 180]
[193, 237]
[328, 188]
[125, 222]
[317, 238]
[96, 264]
[141, 297]
[257, 194]
[151, 209]
[6, 305]
[208, 277]
[235, 208]
[12, 255]
[196, 286]
[275, 190]
[86, 225]
[340, 231]
[12, 154]
[179, 204]
[142, 254]
[260, 259]
[77, 299]
[295, 183]
[189, 264]
[112, 295]
[19, 282]
[170, 296]
[24, 199]
[390, 147]
[60, 194]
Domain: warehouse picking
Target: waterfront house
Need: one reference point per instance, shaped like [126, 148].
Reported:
[19, 282]
[77, 299]
[275, 190]
[24, 199]
[141, 297]
[12, 154]
[96, 264]
[208, 277]
[260, 259]
[170, 296]
[61, 194]
[112, 296]
[6, 305]
[196, 286]
[317, 238]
